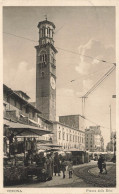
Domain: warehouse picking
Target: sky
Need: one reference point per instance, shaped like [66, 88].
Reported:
[80, 31]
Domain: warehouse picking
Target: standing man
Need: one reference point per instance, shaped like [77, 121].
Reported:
[100, 161]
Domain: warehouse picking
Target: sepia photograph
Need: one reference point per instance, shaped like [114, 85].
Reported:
[59, 97]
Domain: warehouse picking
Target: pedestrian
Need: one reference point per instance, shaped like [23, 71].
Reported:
[70, 168]
[63, 167]
[57, 164]
[104, 165]
[49, 167]
[100, 162]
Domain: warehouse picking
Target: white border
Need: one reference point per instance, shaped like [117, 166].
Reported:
[58, 3]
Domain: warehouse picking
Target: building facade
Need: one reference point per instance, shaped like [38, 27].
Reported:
[68, 137]
[46, 71]
[93, 139]
[74, 121]
[17, 108]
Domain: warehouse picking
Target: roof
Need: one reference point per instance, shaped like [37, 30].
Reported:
[16, 95]
[72, 115]
[73, 150]
[46, 22]
[44, 119]
[23, 93]
[20, 129]
[68, 126]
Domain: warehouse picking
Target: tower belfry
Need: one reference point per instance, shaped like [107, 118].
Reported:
[46, 71]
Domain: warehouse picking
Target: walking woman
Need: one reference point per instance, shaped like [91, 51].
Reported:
[56, 164]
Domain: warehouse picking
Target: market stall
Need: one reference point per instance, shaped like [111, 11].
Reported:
[21, 157]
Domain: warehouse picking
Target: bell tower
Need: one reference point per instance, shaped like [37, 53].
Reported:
[46, 71]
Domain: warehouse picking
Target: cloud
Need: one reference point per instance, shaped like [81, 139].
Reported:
[95, 50]
[65, 92]
[87, 84]
[22, 78]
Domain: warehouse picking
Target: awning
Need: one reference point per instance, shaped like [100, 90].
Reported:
[41, 147]
[42, 141]
[75, 150]
[20, 129]
[52, 145]
[54, 149]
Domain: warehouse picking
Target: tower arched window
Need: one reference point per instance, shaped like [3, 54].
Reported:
[43, 32]
[43, 57]
[48, 32]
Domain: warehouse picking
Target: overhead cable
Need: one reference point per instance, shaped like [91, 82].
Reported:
[99, 82]
[101, 60]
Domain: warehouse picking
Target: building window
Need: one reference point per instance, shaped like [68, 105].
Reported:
[73, 138]
[67, 137]
[78, 139]
[63, 136]
[59, 135]
[70, 138]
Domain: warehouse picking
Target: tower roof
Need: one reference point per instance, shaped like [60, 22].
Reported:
[46, 22]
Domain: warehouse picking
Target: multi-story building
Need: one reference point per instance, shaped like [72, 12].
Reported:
[75, 121]
[93, 139]
[17, 108]
[68, 137]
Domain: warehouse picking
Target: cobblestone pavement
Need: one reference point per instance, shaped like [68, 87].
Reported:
[84, 176]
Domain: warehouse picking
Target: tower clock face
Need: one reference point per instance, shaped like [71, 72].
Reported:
[52, 82]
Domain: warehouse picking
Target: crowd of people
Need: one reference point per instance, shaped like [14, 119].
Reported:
[51, 164]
